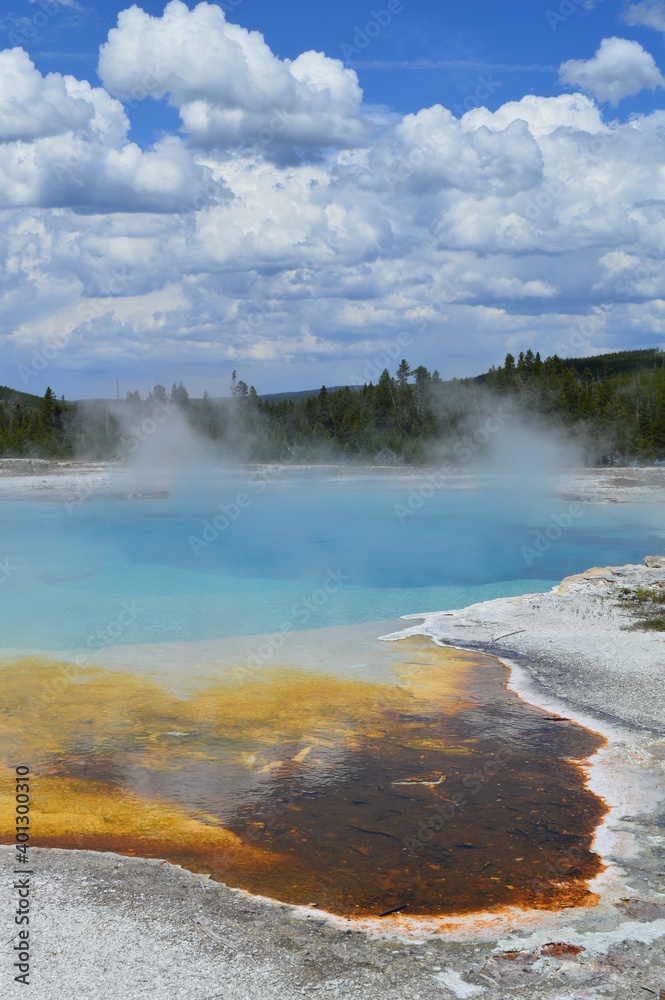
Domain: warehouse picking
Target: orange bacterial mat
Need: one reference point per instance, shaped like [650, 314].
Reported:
[438, 793]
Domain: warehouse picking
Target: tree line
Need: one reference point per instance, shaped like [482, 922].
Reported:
[613, 405]
[615, 402]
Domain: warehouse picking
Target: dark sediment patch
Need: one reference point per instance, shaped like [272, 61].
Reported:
[440, 794]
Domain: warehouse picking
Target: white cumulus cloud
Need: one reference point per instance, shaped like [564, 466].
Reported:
[227, 85]
[33, 106]
[503, 229]
[543, 115]
[475, 159]
[620, 68]
[64, 143]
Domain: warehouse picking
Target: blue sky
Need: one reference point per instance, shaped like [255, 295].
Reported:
[445, 181]
[429, 53]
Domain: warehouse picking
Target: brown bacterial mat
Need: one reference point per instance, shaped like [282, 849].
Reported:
[441, 793]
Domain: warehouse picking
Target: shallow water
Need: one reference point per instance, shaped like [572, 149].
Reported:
[308, 551]
[207, 694]
[438, 792]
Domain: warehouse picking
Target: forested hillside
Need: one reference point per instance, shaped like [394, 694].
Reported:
[30, 425]
[617, 401]
[48, 427]
[612, 405]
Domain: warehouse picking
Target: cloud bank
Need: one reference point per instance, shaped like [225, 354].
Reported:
[285, 228]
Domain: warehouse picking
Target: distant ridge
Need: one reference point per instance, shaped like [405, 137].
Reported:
[619, 362]
[8, 395]
[270, 397]
[278, 397]
[615, 363]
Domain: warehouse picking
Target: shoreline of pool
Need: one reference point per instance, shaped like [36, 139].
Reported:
[224, 926]
[108, 925]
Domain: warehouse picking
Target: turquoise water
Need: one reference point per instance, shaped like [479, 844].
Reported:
[289, 552]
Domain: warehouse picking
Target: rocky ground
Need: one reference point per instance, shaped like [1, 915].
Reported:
[108, 927]
[582, 641]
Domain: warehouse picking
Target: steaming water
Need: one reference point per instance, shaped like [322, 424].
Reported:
[307, 551]
[393, 777]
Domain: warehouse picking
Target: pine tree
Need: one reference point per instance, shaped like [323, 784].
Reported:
[403, 373]
[181, 396]
[48, 410]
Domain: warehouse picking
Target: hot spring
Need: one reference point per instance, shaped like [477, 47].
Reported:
[192, 671]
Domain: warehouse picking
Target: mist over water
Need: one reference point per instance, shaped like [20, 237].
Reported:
[216, 742]
[235, 550]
